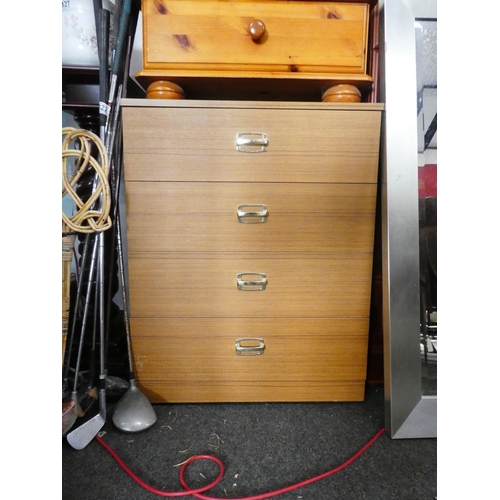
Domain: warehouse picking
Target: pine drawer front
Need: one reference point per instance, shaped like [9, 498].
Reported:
[205, 285]
[328, 356]
[181, 143]
[301, 38]
[283, 217]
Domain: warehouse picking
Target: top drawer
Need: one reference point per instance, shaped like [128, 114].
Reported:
[295, 37]
[196, 142]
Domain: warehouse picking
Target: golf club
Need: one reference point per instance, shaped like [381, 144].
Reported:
[83, 435]
[69, 346]
[87, 396]
[70, 408]
[134, 412]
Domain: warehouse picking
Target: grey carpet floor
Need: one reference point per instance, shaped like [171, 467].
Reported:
[264, 447]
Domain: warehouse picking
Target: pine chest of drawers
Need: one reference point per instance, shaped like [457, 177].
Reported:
[270, 47]
[250, 240]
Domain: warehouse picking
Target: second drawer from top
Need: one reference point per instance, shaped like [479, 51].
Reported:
[240, 217]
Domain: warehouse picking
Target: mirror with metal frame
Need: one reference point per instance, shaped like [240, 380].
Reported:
[426, 63]
[409, 413]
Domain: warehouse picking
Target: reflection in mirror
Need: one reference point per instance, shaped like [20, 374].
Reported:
[426, 58]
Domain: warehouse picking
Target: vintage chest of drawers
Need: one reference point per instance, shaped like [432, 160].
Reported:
[289, 49]
[250, 240]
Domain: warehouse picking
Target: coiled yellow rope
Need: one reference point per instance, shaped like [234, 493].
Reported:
[87, 219]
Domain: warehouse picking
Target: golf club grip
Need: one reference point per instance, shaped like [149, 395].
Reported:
[133, 19]
[116, 16]
[121, 37]
[97, 8]
[103, 47]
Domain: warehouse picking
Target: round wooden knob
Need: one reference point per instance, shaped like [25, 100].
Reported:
[256, 30]
[342, 93]
[164, 90]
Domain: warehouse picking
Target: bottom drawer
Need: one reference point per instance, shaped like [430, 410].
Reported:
[251, 392]
[195, 359]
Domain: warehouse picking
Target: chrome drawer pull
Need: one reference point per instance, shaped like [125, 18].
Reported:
[256, 217]
[251, 285]
[251, 142]
[250, 350]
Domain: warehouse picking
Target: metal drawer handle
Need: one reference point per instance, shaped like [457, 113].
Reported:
[250, 350]
[251, 142]
[256, 217]
[251, 285]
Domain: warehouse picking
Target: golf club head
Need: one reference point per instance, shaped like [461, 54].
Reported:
[69, 414]
[134, 412]
[83, 435]
[87, 400]
[116, 386]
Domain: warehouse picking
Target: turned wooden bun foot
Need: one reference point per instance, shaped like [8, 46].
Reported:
[342, 93]
[164, 90]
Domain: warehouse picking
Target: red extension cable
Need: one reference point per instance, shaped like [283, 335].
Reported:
[196, 492]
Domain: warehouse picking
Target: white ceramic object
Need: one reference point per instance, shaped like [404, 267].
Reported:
[79, 39]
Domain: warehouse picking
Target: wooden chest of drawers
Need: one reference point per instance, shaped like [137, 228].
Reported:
[268, 45]
[250, 272]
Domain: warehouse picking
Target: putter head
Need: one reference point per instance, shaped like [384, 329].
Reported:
[83, 435]
[134, 412]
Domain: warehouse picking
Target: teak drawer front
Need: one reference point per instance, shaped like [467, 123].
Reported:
[159, 391]
[204, 285]
[280, 329]
[200, 356]
[214, 359]
[300, 37]
[199, 144]
[187, 216]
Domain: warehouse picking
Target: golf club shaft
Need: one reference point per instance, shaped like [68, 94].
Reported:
[114, 183]
[92, 360]
[83, 435]
[112, 123]
[69, 347]
[102, 373]
[124, 295]
[85, 314]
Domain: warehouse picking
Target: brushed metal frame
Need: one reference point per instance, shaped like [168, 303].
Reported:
[408, 414]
